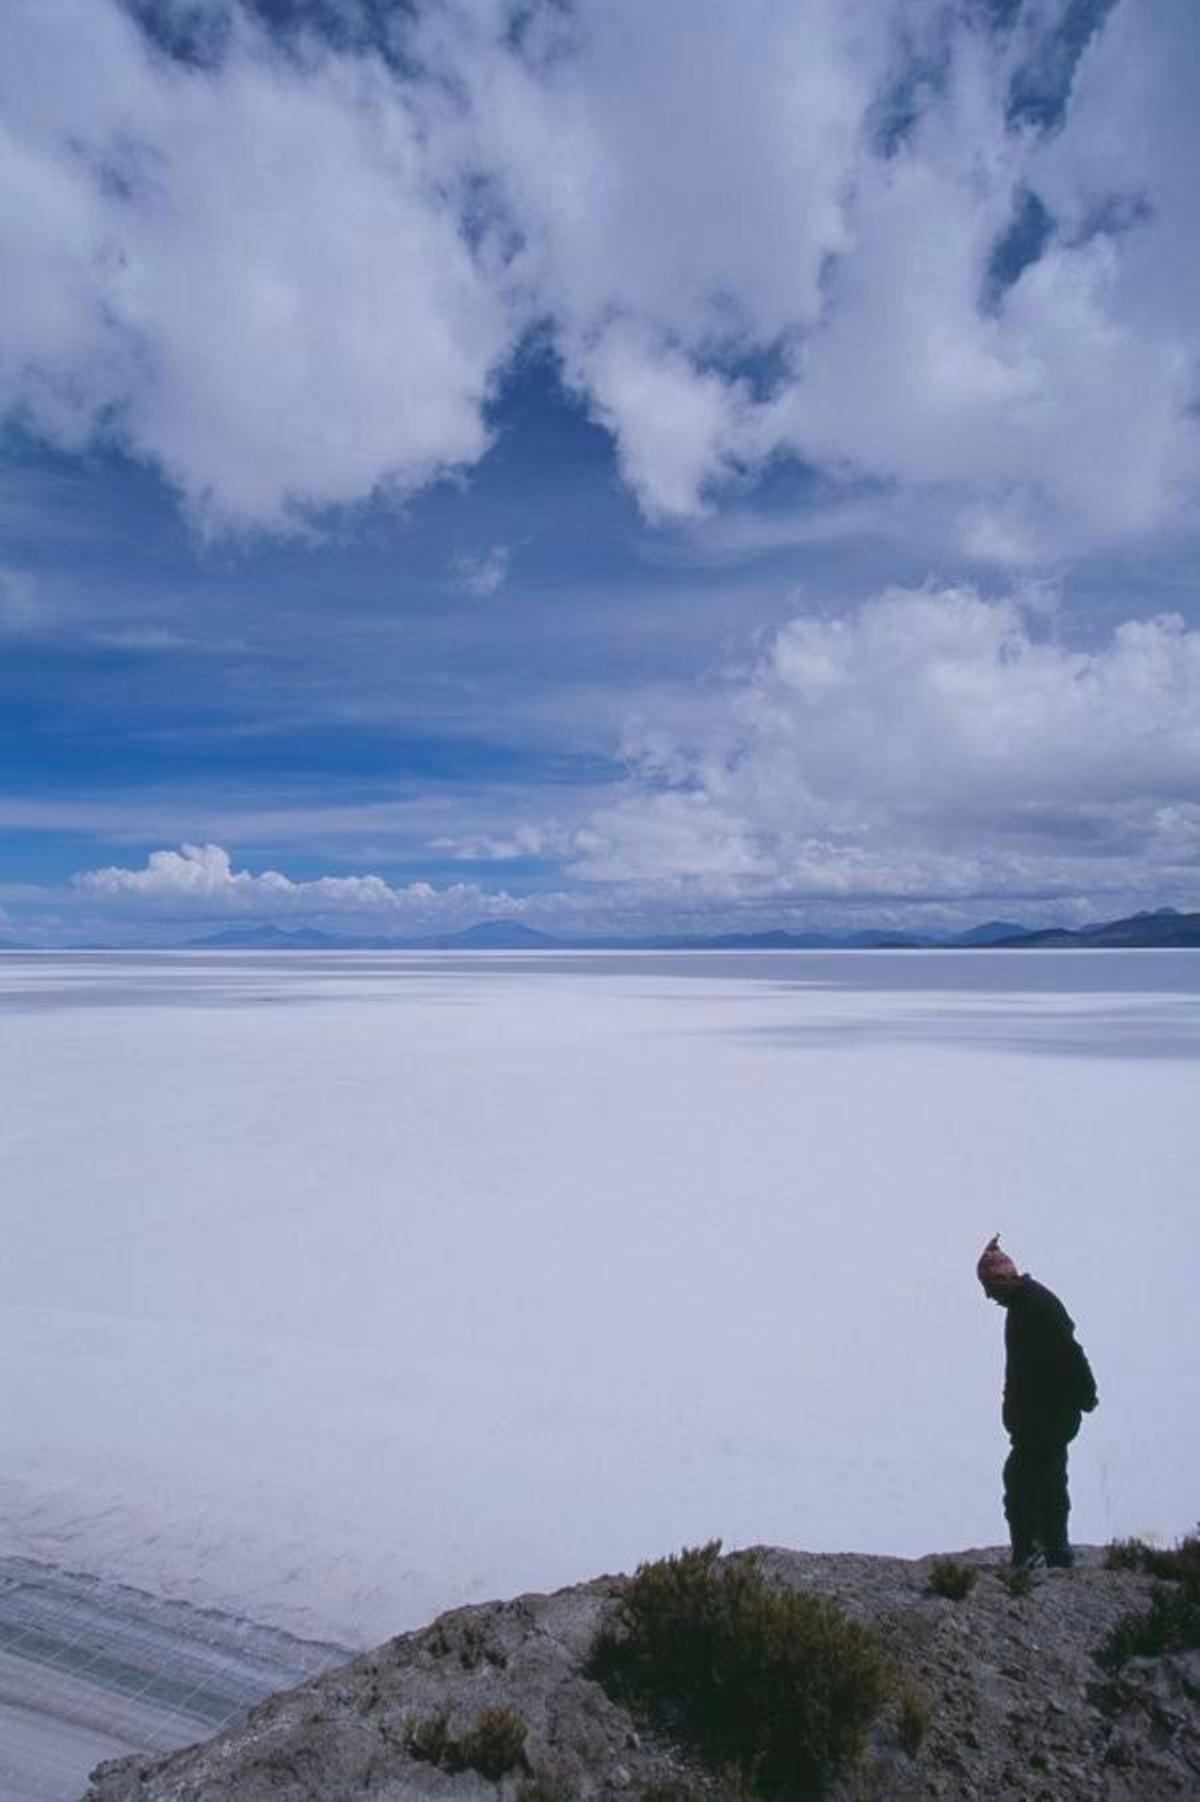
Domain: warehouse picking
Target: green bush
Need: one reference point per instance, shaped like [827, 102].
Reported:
[913, 1718]
[1178, 1564]
[542, 1789]
[949, 1578]
[1170, 1624]
[496, 1743]
[669, 1792]
[1172, 1621]
[780, 1685]
[1126, 1554]
[494, 1746]
[429, 1740]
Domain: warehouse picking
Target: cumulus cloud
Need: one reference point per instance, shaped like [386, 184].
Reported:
[899, 242]
[952, 249]
[200, 882]
[934, 748]
[250, 274]
[525, 839]
[679, 181]
[934, 743]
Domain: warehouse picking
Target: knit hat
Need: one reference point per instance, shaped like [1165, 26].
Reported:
[994, 1262]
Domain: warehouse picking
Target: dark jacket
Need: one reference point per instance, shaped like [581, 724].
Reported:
[1047, 1379]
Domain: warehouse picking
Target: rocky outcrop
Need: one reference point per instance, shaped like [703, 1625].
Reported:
[1000, 1696]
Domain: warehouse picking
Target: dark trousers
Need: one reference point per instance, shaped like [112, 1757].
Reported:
[1036, 1500]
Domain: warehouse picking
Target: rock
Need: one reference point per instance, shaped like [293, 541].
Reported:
[1016, 1704]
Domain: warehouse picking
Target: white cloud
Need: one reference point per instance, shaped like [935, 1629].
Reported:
[200, 882]
[935, 743]
[495, 823]
[252, 275]
[525, 839]
[483, 573]
[679, 179]
[694, 194]
[677, 429]
[933, 748]
[294, 275]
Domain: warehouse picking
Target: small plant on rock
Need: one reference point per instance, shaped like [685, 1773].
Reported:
[1170, 1624]
[496, 1743]
[1176, 1564]
[949, 1578]
[1126, 1554]
[429, 1740]
[912, 1719]
[493, 1746]
[669, 1792]
[1172, 1621]
[779, 1684]
[542, 1789]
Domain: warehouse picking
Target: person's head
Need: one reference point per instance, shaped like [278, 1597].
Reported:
[997, 1272]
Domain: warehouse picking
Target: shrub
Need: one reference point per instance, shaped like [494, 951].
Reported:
[1179, 1564]
[496, 1743]
[668, 1792]
[429, 1740]
[1126, 1554]
[780, 1685]
[913, 1718]
[949, 1578]
[542, 1789]
[1172, 1621]
[1170, 1624]
[731, 1787]
[1017, 1579]
[1182, 1563]
[494, 1746]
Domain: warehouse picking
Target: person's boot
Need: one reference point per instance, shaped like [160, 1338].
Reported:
[1025, 1555]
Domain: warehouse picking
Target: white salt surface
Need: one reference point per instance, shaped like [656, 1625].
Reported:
[337, 1290]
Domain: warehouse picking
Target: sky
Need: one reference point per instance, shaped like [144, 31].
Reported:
[625, 468]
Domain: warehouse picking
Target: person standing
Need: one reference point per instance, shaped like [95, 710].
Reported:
[1048, 1384]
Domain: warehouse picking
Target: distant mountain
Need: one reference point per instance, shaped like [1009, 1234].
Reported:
[267, 938]
[484, 935]
[751, 941]
[1164, 929]
[991, 932]
[777, 940]
[489, 935]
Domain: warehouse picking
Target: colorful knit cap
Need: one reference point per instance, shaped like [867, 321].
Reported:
[994, 1262]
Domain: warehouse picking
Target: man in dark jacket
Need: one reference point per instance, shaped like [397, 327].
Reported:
[1048, 1383]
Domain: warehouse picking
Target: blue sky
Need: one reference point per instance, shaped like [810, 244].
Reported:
[620, 468]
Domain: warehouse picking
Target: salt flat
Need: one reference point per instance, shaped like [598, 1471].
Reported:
[338, 1289]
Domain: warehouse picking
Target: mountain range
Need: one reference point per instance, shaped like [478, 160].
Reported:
[1164, 927]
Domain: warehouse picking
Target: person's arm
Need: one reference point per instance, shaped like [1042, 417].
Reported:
[1083, 1383]
[1070, 1382]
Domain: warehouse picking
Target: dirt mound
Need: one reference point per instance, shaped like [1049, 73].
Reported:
[1000, 1695]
